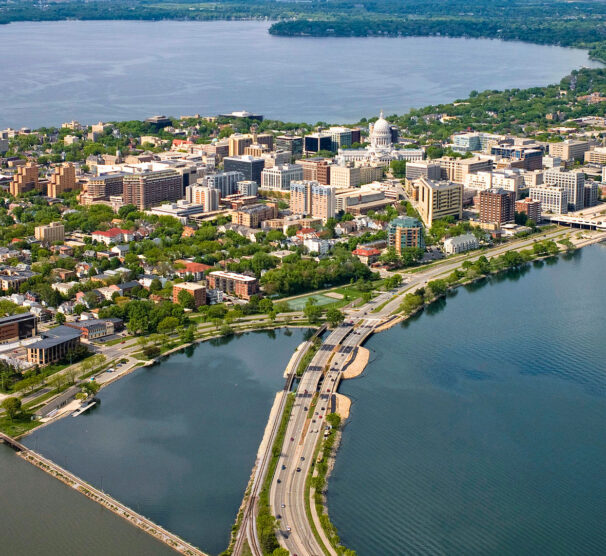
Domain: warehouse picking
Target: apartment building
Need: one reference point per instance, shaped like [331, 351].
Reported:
[62, 180]
[460, 244]
[573, 182]
[439, 199]
[208, 197]
[457, 169]
[530, 207]
[279, 178]
[238, 143]
[251, 216]
[405, 232]
[25, 179]
[423, 168]
[55, 231]
[240, 285]
[101, 188]
[510, 180]
[353, 176]
[149, 188]
[248, 188]
[197, 291]
[596, 156]
[313, 199]
[497, 207]
[592, 194]
[553, 199]
[316, 169]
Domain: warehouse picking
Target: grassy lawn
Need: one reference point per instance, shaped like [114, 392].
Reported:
[298, 304]
[18, 426]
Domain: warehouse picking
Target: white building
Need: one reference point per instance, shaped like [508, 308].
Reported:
[249, 188]
[553, 199]
[510, 180]
[572, 182]
[181, 210]
[207, 197]
[459, 244]
[278, 178]
[381, 150]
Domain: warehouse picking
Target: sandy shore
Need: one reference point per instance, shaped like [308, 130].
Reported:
[356, 367]
[343, 406]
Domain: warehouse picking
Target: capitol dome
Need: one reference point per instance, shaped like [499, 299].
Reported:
[380, 135]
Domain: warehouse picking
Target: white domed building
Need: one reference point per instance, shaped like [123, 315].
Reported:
[381, 151]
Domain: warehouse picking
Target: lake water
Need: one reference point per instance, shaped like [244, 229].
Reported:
[54, 72]
[177, 441]
[478, 427]
[40, 515]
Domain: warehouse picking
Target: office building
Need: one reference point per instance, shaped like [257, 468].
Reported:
[457, 169]
[354, 200]
[423, 168]
[238, 143]
[460, 244]
[313, 199]
[317, 142]
[54, 345]
[240, 285]
[405, 232]
[552, 199]
[316, 169]
[55, 231]
[592, 194]
[93, 329]
[353, 176]
[473, 141]
[18, 327]
[225, 182]
[291, 144]
[439, 199]
[149, 188]
[248, 188]
[62, 180]
[279, 178]
[251, 216]
[181, 210]
[197, 291]
[340, 137]
[242, 115]
[526, 156]
[207, 197]
[531, 208]
[497, 207]
[569, 149]
[250, 166]
[596, 156]
[25, 179]
[572, 182]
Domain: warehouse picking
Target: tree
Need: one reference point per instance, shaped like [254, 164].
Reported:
[168, 325]
[411, 303]
[91, 387]
[334, 316]
[312, 311]
[59, 318]
[11, 406]
[188, 335]
[186, 299]
[398, 168]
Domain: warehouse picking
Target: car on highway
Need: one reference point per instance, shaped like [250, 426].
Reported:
[302, 458]
[292, 439]
[298, 470]
[283, 506]
[283, 467]
[288, 529]
[279, 481]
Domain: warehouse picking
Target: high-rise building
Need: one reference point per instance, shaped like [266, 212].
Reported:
[405, 232]
[353, 176]
[553, 199]
[203, 195]
[596, 156]
[55, 231]
[317, 142]
[62, 180]
[101, 188]
[572, 182]
[237, 144]
[313, 199]
[279, 178]
[592, 194]
[316, 169]
[225, 182]
[149, 188]
[439, 199]
[427, 168]
[290, 143]
[26, 179]
[527, 156]
[531, 208]
[248, 188]
[569, 149]
[497, 206]
[340, 137]
[457, 169]
[510, 180]
[250, 166]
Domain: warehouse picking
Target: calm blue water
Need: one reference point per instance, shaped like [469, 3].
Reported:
[177, 441]
[478, 428]
[54, 72]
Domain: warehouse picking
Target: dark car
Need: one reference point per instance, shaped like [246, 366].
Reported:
[298, 469]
